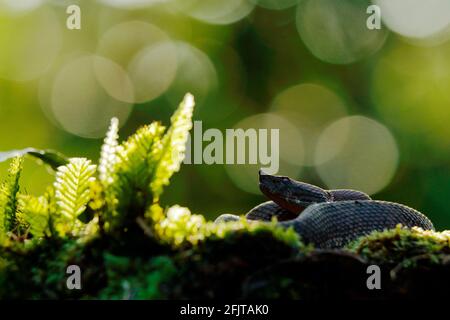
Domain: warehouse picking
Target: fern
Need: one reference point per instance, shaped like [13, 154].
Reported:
[35, 213]
[72, 190]
[131, 178]
[8, 197]
[107, 167]
[144, 165]
[108, 157]
[130, 174]
[173, 146]
[139, 154]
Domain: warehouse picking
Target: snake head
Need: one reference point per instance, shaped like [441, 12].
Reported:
[290, 194]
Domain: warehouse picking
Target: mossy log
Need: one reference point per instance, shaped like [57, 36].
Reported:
[241, 265]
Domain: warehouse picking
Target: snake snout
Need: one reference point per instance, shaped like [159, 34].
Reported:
[290, 194]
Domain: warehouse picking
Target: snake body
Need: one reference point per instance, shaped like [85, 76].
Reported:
[328, 218]
[335, 224]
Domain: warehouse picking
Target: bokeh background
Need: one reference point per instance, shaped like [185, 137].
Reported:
[359, 108]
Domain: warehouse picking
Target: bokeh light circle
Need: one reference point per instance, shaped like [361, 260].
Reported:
[28, 53]
[19, 7]
[195, 74]
[80, 104]
[131, 4]
[114, 79]
[336, 31]
[152, 71]
[291, 151]
[275, 4]
[310, 107]
[219, 11]
[122, 41]
[62, 3]
[356, 152]
[416, 18]
[411, 92]
[242, 10]
[149, 57]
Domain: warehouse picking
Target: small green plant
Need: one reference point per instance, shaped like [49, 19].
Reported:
[9, 200]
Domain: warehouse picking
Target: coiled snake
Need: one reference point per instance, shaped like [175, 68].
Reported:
[328, 218]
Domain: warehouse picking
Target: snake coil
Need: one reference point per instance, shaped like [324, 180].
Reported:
[328, 218]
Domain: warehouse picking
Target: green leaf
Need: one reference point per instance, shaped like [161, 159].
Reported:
[52, 158]
[126, 191]
[8, 197]
[108, 156]
[72, 189]
[35, 212]
[173, 146]
[139, 154]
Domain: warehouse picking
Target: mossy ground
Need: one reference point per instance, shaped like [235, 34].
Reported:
[245, 263]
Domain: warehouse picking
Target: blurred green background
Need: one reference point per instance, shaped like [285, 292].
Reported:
[359, 108]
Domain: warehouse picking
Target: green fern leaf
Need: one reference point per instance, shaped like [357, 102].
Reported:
[108, 157]
[139, 168]
[139, 154]
[72, 187]
[173, 146]
[35, 213]
[8, 197]
[128, 192]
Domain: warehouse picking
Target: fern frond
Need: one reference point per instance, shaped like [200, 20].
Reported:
[8, 196]
[35, 213]
[141, 166]
[139, 155]
[132, 173]
[50, 197]
[108, 156]
[72, 187]
[173, 146]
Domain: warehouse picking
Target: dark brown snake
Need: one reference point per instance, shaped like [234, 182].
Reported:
[328, 218]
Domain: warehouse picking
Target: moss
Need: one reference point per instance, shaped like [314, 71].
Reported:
[257, 262]
[426, 276]
[39, 272]
[25, 263]
[218, 267]
[136, 266]
[177, 226]
[189, 257]
[137, 278]
[332, 274]
[414, 262]
[401, 245]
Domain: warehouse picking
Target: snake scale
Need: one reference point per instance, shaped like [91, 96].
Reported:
[327, 218]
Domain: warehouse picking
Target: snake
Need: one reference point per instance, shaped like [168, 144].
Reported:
[328, 219]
